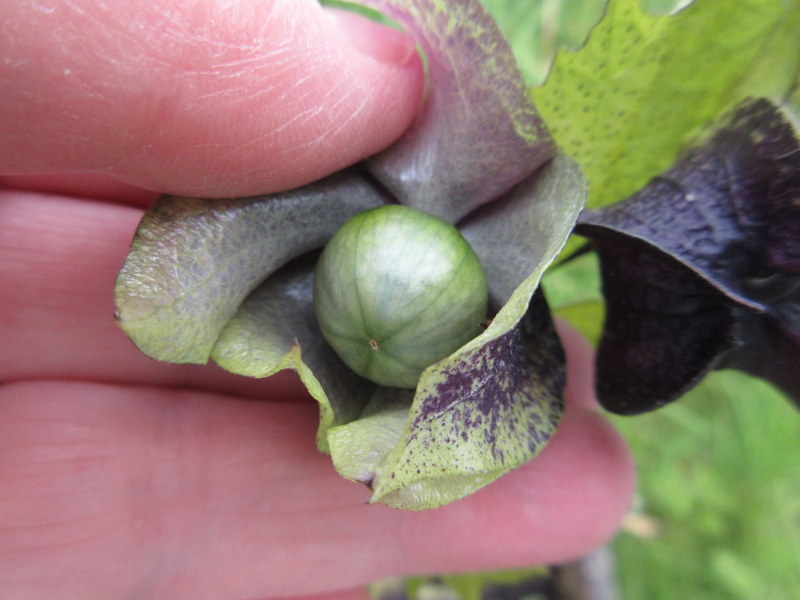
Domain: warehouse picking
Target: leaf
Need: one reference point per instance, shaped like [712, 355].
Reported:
[193, 260]
[776, 71]
[734, 195]
[358, 448]
[477, 134]
[664, 326]
[793, 99]
[771, 344]
[517, 235]
[476, 416]
[625, 105]
[275, 328]
[701, 269]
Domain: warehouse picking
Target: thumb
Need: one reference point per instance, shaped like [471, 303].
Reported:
[199, 97]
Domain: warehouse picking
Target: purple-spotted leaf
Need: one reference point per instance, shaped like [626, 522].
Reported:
[476, 416]
[701, 269]
[193, 261]
[477, 134]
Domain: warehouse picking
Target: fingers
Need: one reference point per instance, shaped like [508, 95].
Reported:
[360, 593]
[80, 185]
[580, 366]
[58, 262]
[164, 494]
[207, 97]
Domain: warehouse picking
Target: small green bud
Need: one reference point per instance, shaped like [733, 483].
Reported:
[395, 291]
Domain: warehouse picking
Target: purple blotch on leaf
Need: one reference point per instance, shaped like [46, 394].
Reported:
[501, 381]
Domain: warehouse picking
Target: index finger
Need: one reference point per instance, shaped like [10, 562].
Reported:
[206, 98]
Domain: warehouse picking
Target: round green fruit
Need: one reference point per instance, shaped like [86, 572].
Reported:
[396, 290]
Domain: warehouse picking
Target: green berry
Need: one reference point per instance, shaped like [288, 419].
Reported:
[397, 290]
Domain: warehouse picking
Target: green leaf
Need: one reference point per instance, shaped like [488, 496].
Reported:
[775, 73]
[193, 261]
[625, 105]
[359, 448]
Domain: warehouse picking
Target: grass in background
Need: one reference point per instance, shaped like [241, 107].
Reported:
[719, 481]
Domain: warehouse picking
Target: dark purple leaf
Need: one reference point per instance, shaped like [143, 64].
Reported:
[664, 328]
[700, 268]
[771, 342]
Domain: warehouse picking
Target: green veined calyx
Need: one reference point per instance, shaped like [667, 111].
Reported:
[397, 290]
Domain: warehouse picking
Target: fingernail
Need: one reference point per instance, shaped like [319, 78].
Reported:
[377, 41]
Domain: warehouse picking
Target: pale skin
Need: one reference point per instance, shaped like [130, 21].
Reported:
[122, 477]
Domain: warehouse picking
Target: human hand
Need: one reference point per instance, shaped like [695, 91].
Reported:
[124, 477]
